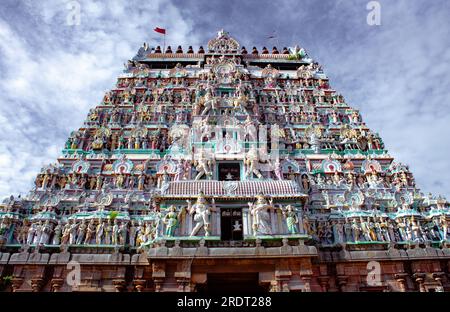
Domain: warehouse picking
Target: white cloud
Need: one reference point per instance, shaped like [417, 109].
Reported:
[396, 74]
[48, 88]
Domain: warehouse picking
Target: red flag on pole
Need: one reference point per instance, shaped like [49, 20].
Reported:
[160, 30]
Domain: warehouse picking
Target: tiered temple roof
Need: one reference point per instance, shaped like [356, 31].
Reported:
[231, 124]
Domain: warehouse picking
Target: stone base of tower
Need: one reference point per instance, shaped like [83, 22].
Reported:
[219, 276]
[214, 270]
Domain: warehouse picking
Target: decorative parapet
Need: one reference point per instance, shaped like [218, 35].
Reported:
[199, 250]
[233, 189]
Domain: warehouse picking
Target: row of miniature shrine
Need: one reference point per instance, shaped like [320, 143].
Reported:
[262, 218]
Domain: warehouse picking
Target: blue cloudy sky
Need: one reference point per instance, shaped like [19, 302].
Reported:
[397, 73]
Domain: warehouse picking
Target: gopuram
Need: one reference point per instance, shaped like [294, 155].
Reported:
[224, 169]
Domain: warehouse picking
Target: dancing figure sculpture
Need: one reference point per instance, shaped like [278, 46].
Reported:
[261, 217]
[203, 166]
[201, 211]
[252, 163]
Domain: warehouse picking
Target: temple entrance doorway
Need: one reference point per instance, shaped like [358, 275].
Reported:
[231, 224]
[224, 283]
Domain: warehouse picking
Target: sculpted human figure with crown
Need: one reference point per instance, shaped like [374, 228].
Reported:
[252, 163]
[261, 217]
[201, 210]
[209, 102]
[291, 219]
[203, 166]
[171, 220]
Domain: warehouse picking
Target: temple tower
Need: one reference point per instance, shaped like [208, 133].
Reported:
[224, 167]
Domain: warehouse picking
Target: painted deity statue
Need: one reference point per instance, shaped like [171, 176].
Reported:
[5, 225]
[206, 129]
[401, 227]
[81, 232]
[261, 216]
[123, 233]
[163, 179]
[416, 230]
[250, 129]
[140, 233]
[209, 102]
[47, 230]
[31, 233]
[348, 231]
[252, 163]
[239, 103]
[201, 211]
[356, 230]
[133, 232]
[444, 227]
[141, 182]
[65, 234]
[277, 169]
[99, 232]
[23, 232]
[37, 236]
[203, 166]
[179, 171]
[119, 181]
[115, 233]
[171, 220]
[291, 219]
[90, 232]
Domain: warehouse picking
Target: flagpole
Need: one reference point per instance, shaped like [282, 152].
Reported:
[273, 39]
[164, 44]
[277, 43]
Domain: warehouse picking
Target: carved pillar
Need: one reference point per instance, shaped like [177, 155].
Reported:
[158, 284]
[420, 278]
[184, 284]
[342, 282]
[16, 282]
[56, 284]
[183, 276]
[324, 282]
[306, 273]
[184, 281]
[323, 278]
[197, 279]
[119, 285]
[401, 280]
[307, 280]
[280, 284]
[275, 286]
[438, 278]
[36, 284]
[139, 284]
[282, 276]
[158, 274]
